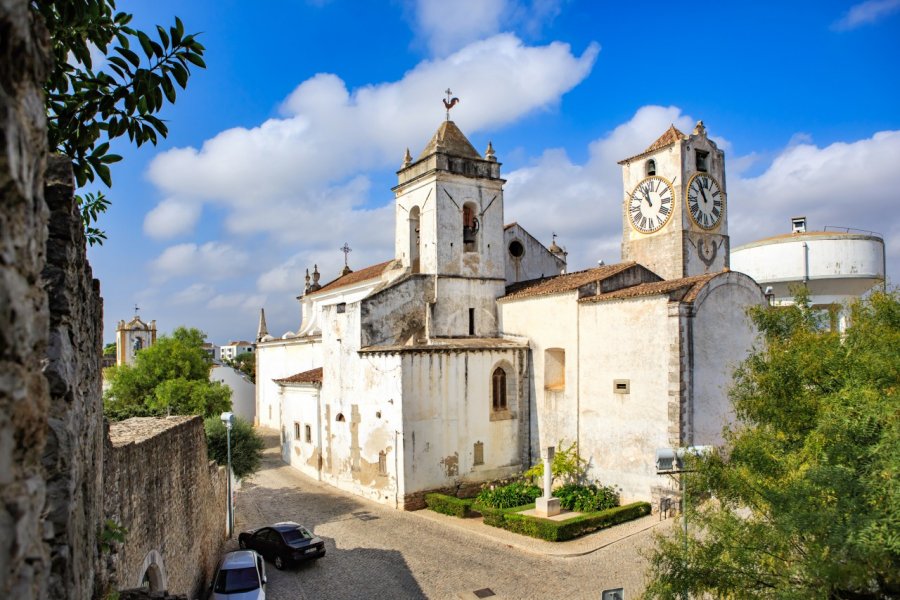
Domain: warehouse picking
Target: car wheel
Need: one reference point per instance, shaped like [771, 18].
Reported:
[279, 563]
[242, 544]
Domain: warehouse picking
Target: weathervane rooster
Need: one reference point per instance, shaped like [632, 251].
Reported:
[450, 102]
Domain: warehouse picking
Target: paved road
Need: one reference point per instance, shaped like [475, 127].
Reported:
[380, 553]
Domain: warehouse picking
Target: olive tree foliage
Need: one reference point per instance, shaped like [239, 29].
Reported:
[803, 501]
[568, 466]
[246, 445]
[89, 105]
[171, 377]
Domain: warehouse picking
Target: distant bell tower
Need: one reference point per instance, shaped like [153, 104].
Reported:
[449, 224]
[132, 337]
[675, 219]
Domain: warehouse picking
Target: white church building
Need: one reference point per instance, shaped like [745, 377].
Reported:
[455, 362]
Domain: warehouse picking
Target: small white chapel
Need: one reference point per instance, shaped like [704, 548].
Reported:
[458, 360]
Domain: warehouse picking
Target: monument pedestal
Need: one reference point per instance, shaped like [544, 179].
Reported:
[546, 507]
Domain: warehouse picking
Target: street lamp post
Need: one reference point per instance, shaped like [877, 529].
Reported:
[228, 420]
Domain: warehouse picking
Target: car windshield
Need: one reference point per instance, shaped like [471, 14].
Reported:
[292, 536]
[230, 581]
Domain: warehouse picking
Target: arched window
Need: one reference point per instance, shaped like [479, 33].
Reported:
[651, 167]
[498, 389]
[470, 227]
[340, 418]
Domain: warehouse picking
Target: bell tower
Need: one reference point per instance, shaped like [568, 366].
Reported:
[449, 225]
[674, 218]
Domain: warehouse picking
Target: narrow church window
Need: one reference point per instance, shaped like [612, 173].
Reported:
[499, 389]
[479, 454]
[382, 463]
[651, 167]
[340, 418]
[308, 433]
[470, 228]
[555, 369]
[414, 239]
[342, 307]
[702, 158]
[296, 431]
[471, 321]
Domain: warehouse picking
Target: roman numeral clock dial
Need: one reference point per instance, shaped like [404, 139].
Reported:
[706, 201]
[650, 204]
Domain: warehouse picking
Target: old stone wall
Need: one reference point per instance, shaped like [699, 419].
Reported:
[24, 398]
[160, 486]
[73, 456]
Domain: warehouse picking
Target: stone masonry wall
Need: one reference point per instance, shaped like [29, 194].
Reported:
[24, 398]
[160, 486]
[73, 456]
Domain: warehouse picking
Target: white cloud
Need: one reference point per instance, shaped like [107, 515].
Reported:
[865, 13]
[447, 26]
[193, 294]
[284, 174]
[450, 25]
[210, 261]
[246, 303]
[171, 218]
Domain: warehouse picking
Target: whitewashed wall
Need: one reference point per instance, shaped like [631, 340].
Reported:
[447, 408]
[278, 359]
[243, 392]
[625, 339]
[548, 322]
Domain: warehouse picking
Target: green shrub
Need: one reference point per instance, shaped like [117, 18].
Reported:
[559, 531]
[450, 505]
[586, 498]
[495, 517]
[508, 496]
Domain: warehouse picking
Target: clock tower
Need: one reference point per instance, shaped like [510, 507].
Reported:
[675, 219]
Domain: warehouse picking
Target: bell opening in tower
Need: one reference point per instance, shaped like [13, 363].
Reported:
[470, 228]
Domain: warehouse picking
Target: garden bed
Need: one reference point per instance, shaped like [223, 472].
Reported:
[512, 520]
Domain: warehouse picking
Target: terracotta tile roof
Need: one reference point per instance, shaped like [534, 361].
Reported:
[693, 285]
[562, 283]
[452, 141]
[355, 277]
[311, 376]
[668, 138]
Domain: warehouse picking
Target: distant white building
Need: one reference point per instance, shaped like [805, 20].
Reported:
[213, 351]
[243, 392]
[230, 350]
[836, 266]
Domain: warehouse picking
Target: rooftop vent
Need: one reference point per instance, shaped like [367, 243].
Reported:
[798, 225]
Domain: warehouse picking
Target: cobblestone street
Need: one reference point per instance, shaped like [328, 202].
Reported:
[378, 552]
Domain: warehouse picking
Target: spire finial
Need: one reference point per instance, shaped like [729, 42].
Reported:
[449, 102]
[136, 310]
[407, 159]
[700, 129]
[489, 154]
[263, 330]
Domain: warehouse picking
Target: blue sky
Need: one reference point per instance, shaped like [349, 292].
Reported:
[287, 145]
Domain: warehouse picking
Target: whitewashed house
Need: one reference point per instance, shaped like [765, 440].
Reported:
[457, 360]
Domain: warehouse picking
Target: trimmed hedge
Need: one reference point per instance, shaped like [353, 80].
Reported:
[560, 531]
[450, 505]
[495, 517]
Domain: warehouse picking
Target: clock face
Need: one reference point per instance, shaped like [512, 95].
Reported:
[706, 202]
[650, 204]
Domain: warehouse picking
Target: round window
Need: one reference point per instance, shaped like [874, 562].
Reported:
[516, 249]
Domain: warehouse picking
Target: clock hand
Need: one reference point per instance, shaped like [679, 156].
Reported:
[702, 193]
[647, 196]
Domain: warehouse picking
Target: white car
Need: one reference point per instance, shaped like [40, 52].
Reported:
[241, 575]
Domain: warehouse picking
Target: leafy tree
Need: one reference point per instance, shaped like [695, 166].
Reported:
[88, 105]
[804, 499]
[109, 349]
[169, 377]
[246, 445]
[567, 465]
[245, 362]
